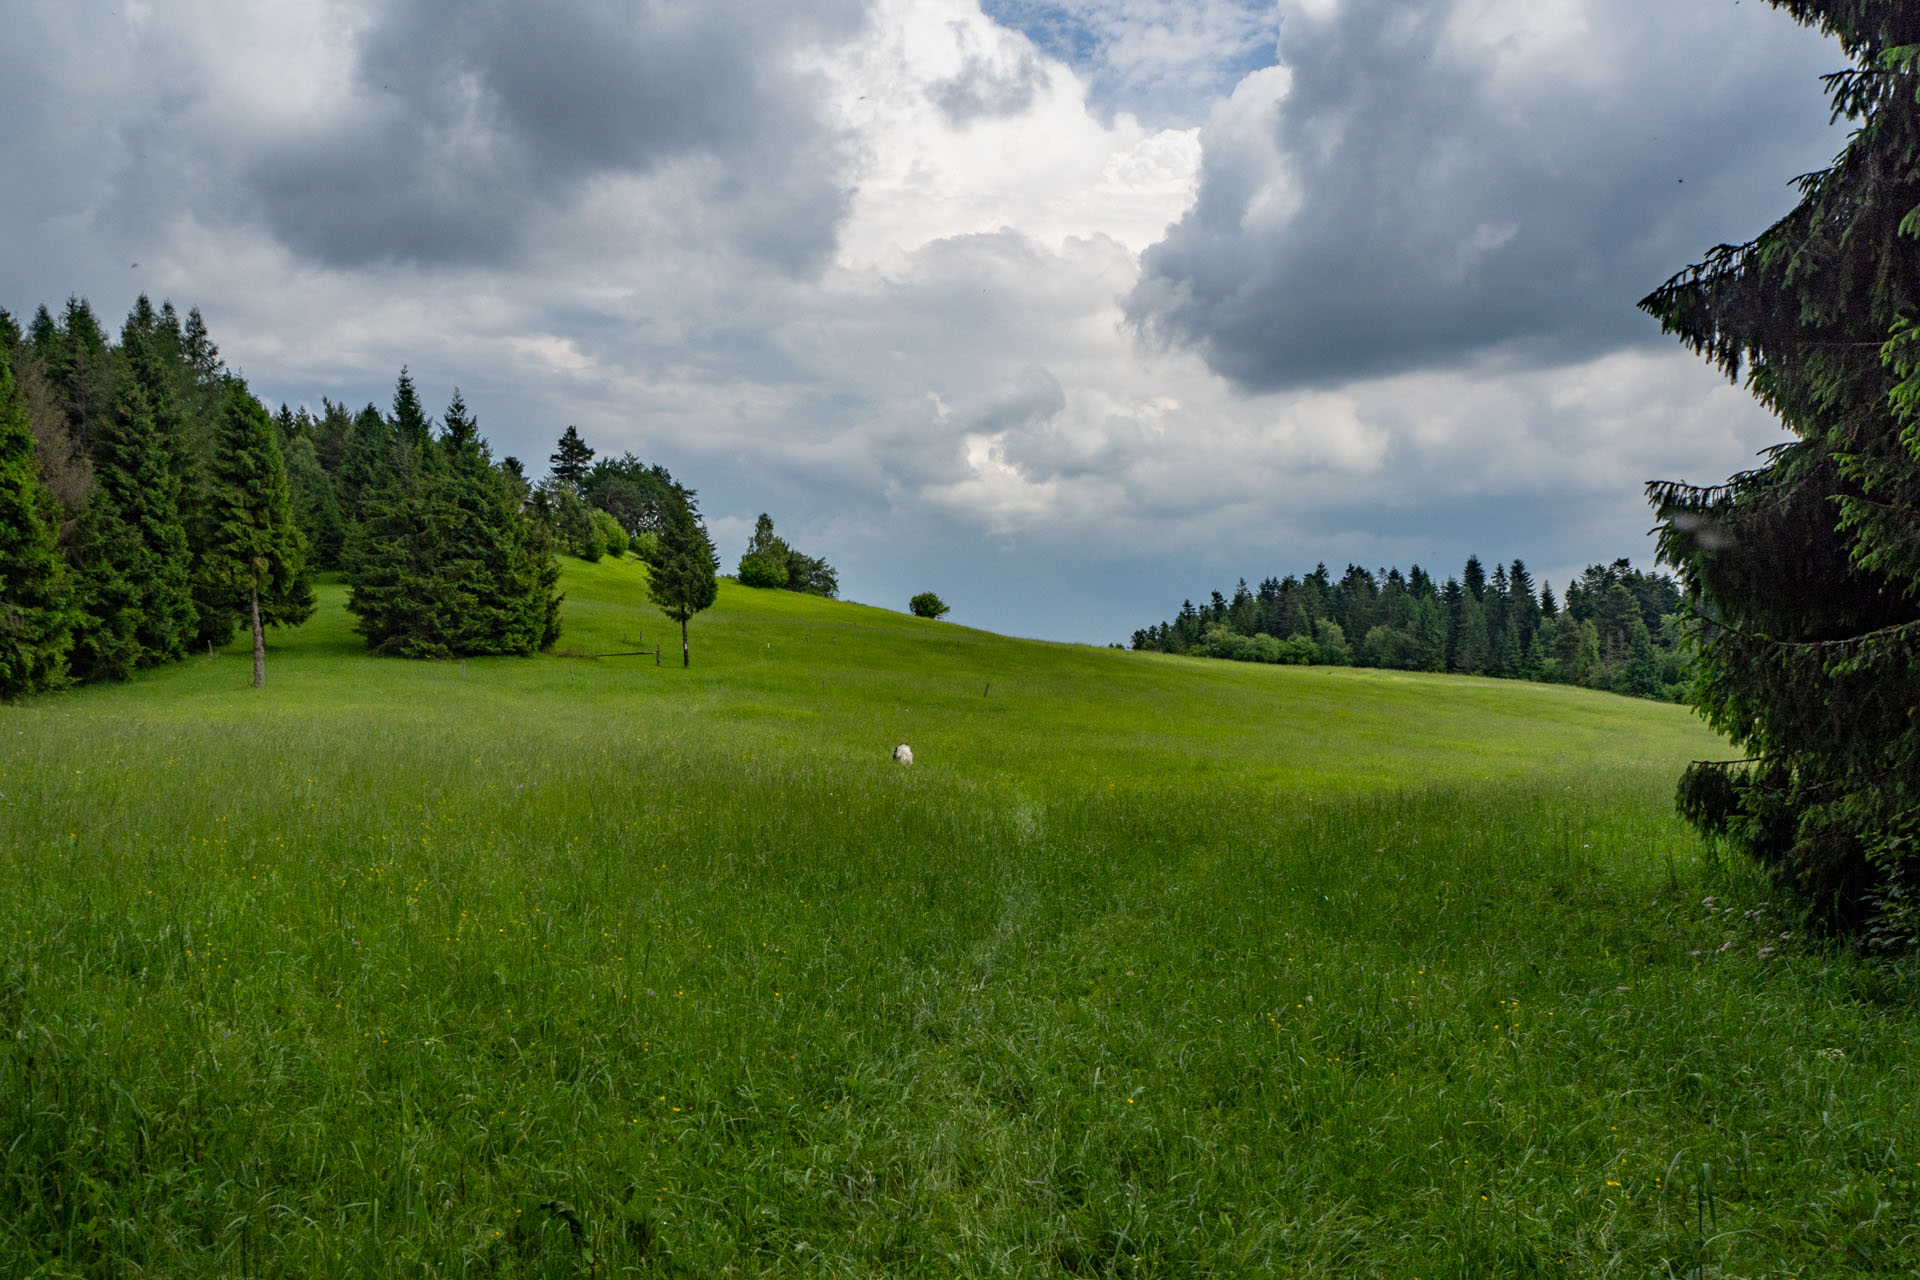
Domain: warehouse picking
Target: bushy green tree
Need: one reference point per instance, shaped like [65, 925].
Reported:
[569, 519]
[770, 562]
[760, 571]
[631, 491]
[1331, 641]
[36, 606]
[316, 509]
[1390, 647]
[613, 538]
[928, 605]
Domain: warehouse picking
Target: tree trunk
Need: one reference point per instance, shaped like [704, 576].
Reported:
[686, 658]
[259, 645]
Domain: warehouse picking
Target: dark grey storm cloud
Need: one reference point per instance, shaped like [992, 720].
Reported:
[1418, 198]
[468, 120]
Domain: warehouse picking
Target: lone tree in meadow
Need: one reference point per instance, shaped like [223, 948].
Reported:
[36, 615]
[255, 546]
[681, 580]
[1802, 576]
[928, 605]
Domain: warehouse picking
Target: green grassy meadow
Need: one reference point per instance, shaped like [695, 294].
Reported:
[1148, 966]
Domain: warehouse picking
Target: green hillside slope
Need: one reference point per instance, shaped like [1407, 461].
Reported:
[1146, 966]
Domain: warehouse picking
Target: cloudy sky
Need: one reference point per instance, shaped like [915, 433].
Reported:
[1065, 309]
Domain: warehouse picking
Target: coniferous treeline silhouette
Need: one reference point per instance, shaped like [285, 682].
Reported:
[1615, 630]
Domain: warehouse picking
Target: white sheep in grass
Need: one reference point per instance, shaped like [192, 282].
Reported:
[903, 753]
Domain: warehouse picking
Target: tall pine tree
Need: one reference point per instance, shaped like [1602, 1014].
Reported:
[256, 547]
[1802, 577]
[394, 546]
[132, 477]
[570, 458]
[489, 593]
[366, 463]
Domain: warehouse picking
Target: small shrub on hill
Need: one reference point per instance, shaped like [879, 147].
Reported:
[613, 539]
[761, 571]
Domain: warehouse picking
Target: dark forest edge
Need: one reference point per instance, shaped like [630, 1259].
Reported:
[1618, 629]
[151, 506]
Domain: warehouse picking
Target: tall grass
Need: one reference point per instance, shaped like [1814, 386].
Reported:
[1147, 967]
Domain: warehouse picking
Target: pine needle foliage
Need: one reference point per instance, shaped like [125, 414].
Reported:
[490, 592]
[36, 615]
[256, 550]
[442, 561]
[133, 476]
[1802, 576]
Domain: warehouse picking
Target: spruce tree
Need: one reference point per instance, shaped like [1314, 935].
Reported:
[1523, 616]
[316, 510]
[412, 429]
[43, 335]
[80, 370]
[395, 546]
[366, 463]
[570, 459]
[331, 435]
[1453, 599]
[443, 561]
[36, 606]
[106, 642]
[1430, 630]
[681, 579]
[489, 594]
[133, 480]
[1472, 646]
[256, 546]
[1503, 649]
[152, 353]
[1802, 576]
[196, 346]
[390, 554]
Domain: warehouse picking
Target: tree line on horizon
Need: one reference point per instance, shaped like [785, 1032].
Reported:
[1616, 630]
